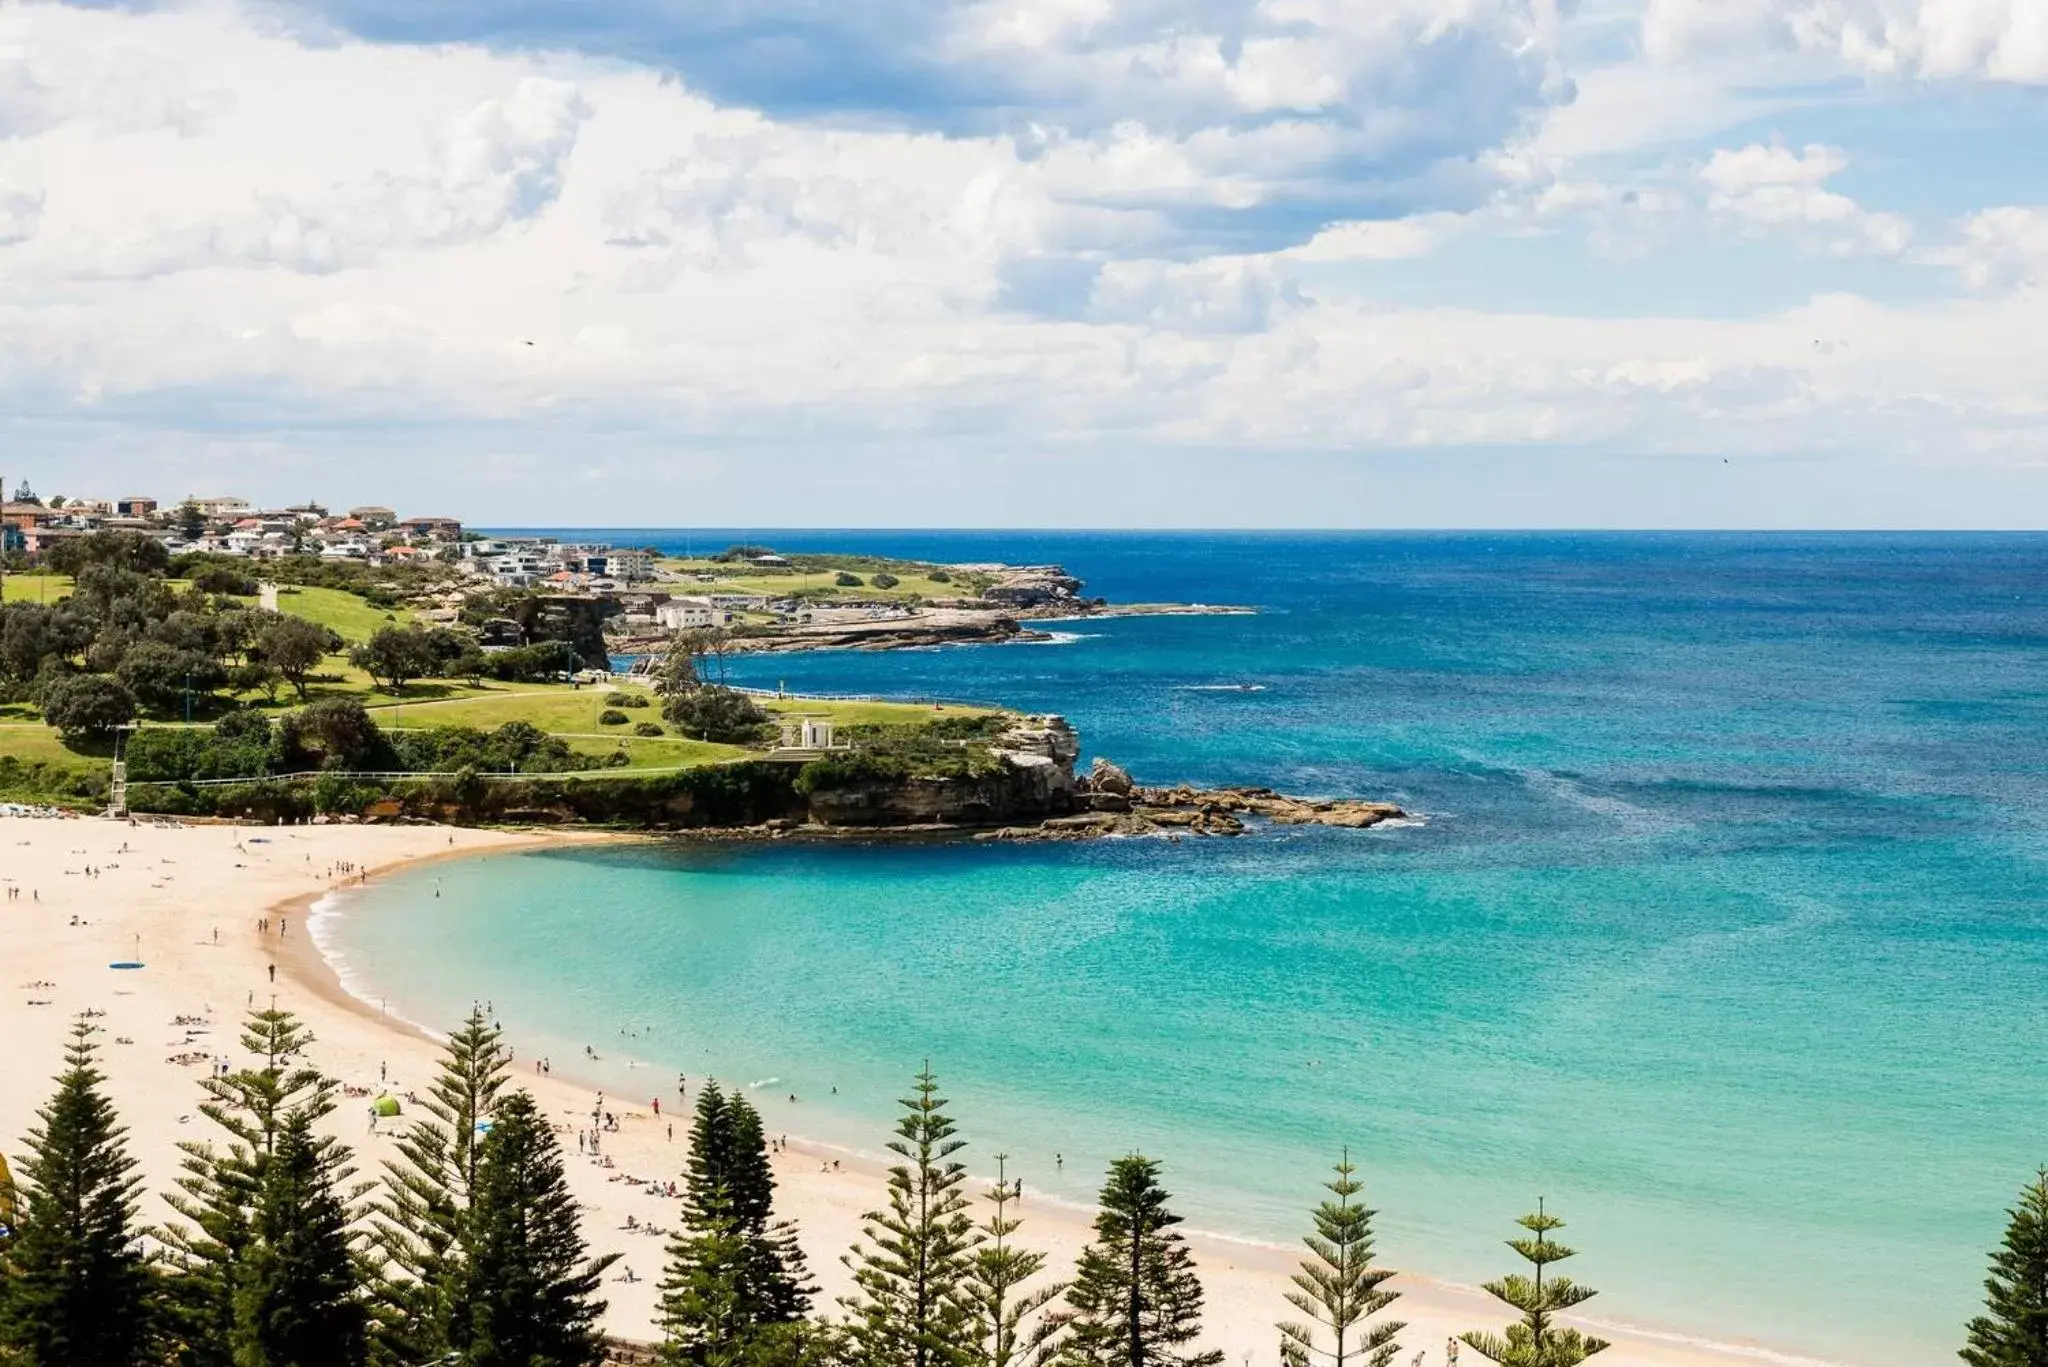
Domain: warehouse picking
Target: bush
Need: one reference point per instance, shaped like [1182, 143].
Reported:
[623, 699]
[940, 577]
[611, 717]
[517, 745]
[86, 706]
[338, 733]
[221, 579]
[847, 580]
[850, 770]
[173, 754]
[531, 664]
[649, 729]
[884, 580]
[716, 713]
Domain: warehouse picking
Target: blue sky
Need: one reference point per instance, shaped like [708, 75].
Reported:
[1058, 262]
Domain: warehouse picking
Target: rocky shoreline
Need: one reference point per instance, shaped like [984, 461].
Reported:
[1103, 803]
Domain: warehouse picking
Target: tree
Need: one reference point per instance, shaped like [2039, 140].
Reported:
[1536, 1340]
[715, 713]
[2014, 1331]
[340, 731]
[734, 1276]
[191, 522]
[423, 1220]
[1008, 1326]
[1338, 1287]
[1136, 1301]
[86, 706]
[219, 1185]
[163, 677]
[298, 1294]
[911, 1306]
[127, 550]
[531, 1294]
[693, 657]
[395, 656]
[75, 1289]
[294, 647]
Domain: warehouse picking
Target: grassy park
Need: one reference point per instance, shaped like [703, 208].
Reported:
[815, 576]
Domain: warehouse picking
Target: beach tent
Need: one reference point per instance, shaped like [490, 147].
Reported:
[386, 1105]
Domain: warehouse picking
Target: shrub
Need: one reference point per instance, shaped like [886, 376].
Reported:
[847, 580]
[649, 729]
[940, 577]
[611, 716]
[86, 706]
[338, 731]
[623, 699]
[850, 770]
[884, 580]
[531, 664]
[716, 713]
[221, 579]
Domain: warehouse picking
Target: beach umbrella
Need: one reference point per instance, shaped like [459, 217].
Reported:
[386, 1105]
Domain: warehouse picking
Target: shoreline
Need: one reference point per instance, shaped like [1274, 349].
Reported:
[356, 1041]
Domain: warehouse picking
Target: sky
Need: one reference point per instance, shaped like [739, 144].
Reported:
[1319, 263]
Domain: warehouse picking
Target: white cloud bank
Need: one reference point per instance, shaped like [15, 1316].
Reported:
[207, 226]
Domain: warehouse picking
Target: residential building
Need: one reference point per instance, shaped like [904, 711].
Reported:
[135, 505]
[434, 528]
[689, 614]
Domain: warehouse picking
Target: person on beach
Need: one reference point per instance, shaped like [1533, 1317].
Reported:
[273, 973]
[1451, 1352]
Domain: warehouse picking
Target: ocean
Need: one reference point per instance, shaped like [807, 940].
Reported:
[1723, 926]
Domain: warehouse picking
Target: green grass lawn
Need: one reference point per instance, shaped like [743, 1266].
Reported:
[869, 713]
[560, 711]
[355, 618]
[35, 588]
[31, 742]
[776, 584]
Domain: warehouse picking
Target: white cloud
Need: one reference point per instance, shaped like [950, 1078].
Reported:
[1382, 240]
[698, 273]
[1994, 40]
[2000, 249]
[20, 212]
[1771, 188]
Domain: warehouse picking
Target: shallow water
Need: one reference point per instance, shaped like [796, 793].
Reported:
[1726, 928]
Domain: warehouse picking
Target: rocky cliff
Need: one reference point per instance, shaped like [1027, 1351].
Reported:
[1029, 777]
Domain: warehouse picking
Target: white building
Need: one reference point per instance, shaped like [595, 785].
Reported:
[688, 614]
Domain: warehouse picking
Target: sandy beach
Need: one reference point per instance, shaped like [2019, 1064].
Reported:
[186, 903]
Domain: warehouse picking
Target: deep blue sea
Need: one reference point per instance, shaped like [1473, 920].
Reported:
[1725, 927]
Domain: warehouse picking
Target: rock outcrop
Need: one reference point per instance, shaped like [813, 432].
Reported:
[1115, 806]
[1033, 779]
[1033, 586]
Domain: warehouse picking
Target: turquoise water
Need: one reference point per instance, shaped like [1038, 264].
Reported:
[1726, 929]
